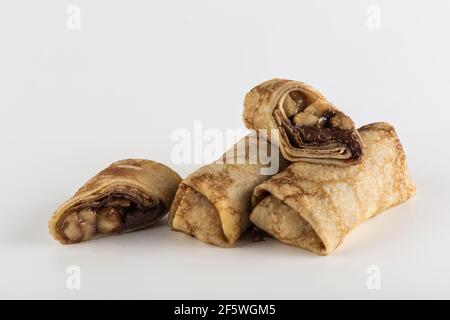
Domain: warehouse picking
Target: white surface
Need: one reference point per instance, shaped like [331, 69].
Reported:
[71, 102]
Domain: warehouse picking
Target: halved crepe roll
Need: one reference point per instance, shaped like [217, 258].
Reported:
[314, 206]
[126, 196]
[213, 204]
[310, 128]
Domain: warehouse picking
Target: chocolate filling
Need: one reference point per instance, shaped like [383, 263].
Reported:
[320, 133]
[114, 213]
[133, 217]
[132, 213]
[316, 135]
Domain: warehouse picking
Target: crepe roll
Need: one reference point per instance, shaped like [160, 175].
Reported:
[315, 206]
[126, 196]
[213, 204]
[309, 127]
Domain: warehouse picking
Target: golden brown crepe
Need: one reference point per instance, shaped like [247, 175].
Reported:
[314, 206]
[309, 128]
[128, 195]
[213, 203]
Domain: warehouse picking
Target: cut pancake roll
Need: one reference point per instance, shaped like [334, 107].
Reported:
[128, 195]
[314, 206]
[309, 128]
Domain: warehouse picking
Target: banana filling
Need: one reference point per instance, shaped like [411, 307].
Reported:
[116, 214]
[316, 123]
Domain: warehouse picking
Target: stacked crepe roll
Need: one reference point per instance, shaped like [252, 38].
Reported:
[340, 176]
[308, 127]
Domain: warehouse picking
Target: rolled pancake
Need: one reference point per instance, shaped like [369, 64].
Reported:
[213, 204]
[314, 206]
[308, 127]
[126, 196]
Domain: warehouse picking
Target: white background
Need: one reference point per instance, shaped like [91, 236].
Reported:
[73, 101]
